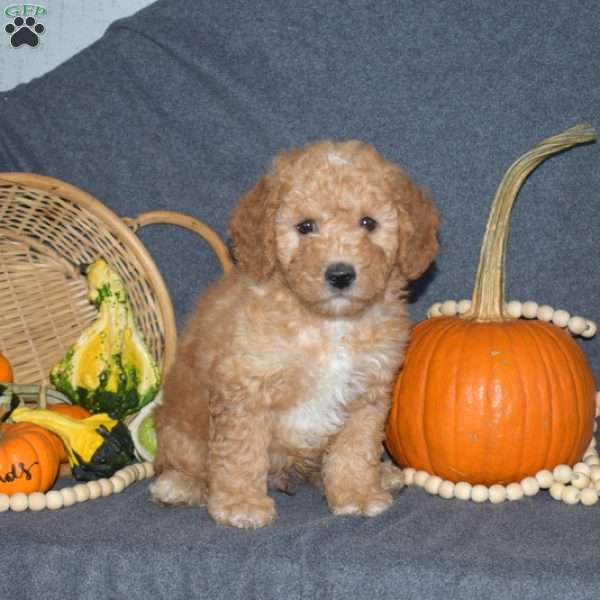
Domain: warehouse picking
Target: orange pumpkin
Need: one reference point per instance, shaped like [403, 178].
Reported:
[6, 374]
[486, 398]
[71, 410]
[29, 459]
[491, 402]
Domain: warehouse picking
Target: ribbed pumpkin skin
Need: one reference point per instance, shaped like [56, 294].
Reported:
[6, 373]
[491, 402]
[34, 448]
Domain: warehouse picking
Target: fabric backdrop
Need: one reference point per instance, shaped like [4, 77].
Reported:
[183, 105]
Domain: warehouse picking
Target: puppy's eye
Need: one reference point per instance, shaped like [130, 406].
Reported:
[368, 223]
[306, 227]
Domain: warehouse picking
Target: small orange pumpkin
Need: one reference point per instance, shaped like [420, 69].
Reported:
[29, 458]
[486, 398]
[6, 374]
[71, 410]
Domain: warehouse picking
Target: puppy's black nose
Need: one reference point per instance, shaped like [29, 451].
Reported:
[340, 275]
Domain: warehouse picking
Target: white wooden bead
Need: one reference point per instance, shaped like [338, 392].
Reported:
[580, 480]
[576, 325]
[556, 490]
[592, 443]
[530, 309]
[68, 496]
[464, 306]
[420, 478]
[530, 486]
[54, 500]
[544, 478]
[561, 318]
[95, 489]
[571, 495]
[118, 484]
[449, 308]
[480, 493]
[409, 475]
[106, 487]
[515, 309]
[446, 489]
[36, 501]
[435, 310]
[126, 475]
[134, 474]
[82, 492]
[545, 313]
[582, 467]
[462, 490]
[514, 491]
[149, 468]
[592, 459]
[497, 494]
[595, 473]
[562, 473]
[18, 502]
[432, 485]
[4, 502]
[597, 486]
[589, 497]
[139, 471]
[590, 329]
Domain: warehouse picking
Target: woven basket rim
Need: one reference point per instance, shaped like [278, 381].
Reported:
[86, 201]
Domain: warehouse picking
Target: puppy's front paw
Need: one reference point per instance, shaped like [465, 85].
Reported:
[365, 505]
[245, 513]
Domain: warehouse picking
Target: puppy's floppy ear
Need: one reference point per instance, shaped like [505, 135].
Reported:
[419, 223]
[252, 227]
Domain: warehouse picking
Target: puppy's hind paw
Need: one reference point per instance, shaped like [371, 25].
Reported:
[244, 513]
[392, 477]
[175, 488]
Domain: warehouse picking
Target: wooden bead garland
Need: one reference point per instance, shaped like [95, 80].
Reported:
[571, 485]
[529, 310]
[81, 492]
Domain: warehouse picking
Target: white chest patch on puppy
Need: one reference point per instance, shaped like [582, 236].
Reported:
[322, 412]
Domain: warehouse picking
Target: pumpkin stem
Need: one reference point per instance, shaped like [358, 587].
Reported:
[488, 293]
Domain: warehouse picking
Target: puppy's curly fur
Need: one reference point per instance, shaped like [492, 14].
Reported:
[285, 369]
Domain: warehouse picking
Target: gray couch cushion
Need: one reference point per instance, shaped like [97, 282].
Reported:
[182, 106]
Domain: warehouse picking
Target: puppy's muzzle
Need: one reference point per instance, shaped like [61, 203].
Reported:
[340, 275]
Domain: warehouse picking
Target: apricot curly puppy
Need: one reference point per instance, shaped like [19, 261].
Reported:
[284, 372]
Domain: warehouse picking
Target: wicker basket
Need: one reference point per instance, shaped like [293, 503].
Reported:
[47, 229]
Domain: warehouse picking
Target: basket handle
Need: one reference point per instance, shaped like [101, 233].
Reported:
[172, 217]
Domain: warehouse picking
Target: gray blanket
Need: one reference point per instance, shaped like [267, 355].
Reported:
[423, 547]
[182, 106]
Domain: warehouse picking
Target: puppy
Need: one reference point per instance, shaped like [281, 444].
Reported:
[285, 370]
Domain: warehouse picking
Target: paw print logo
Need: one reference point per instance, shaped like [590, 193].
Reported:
[24, 31]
